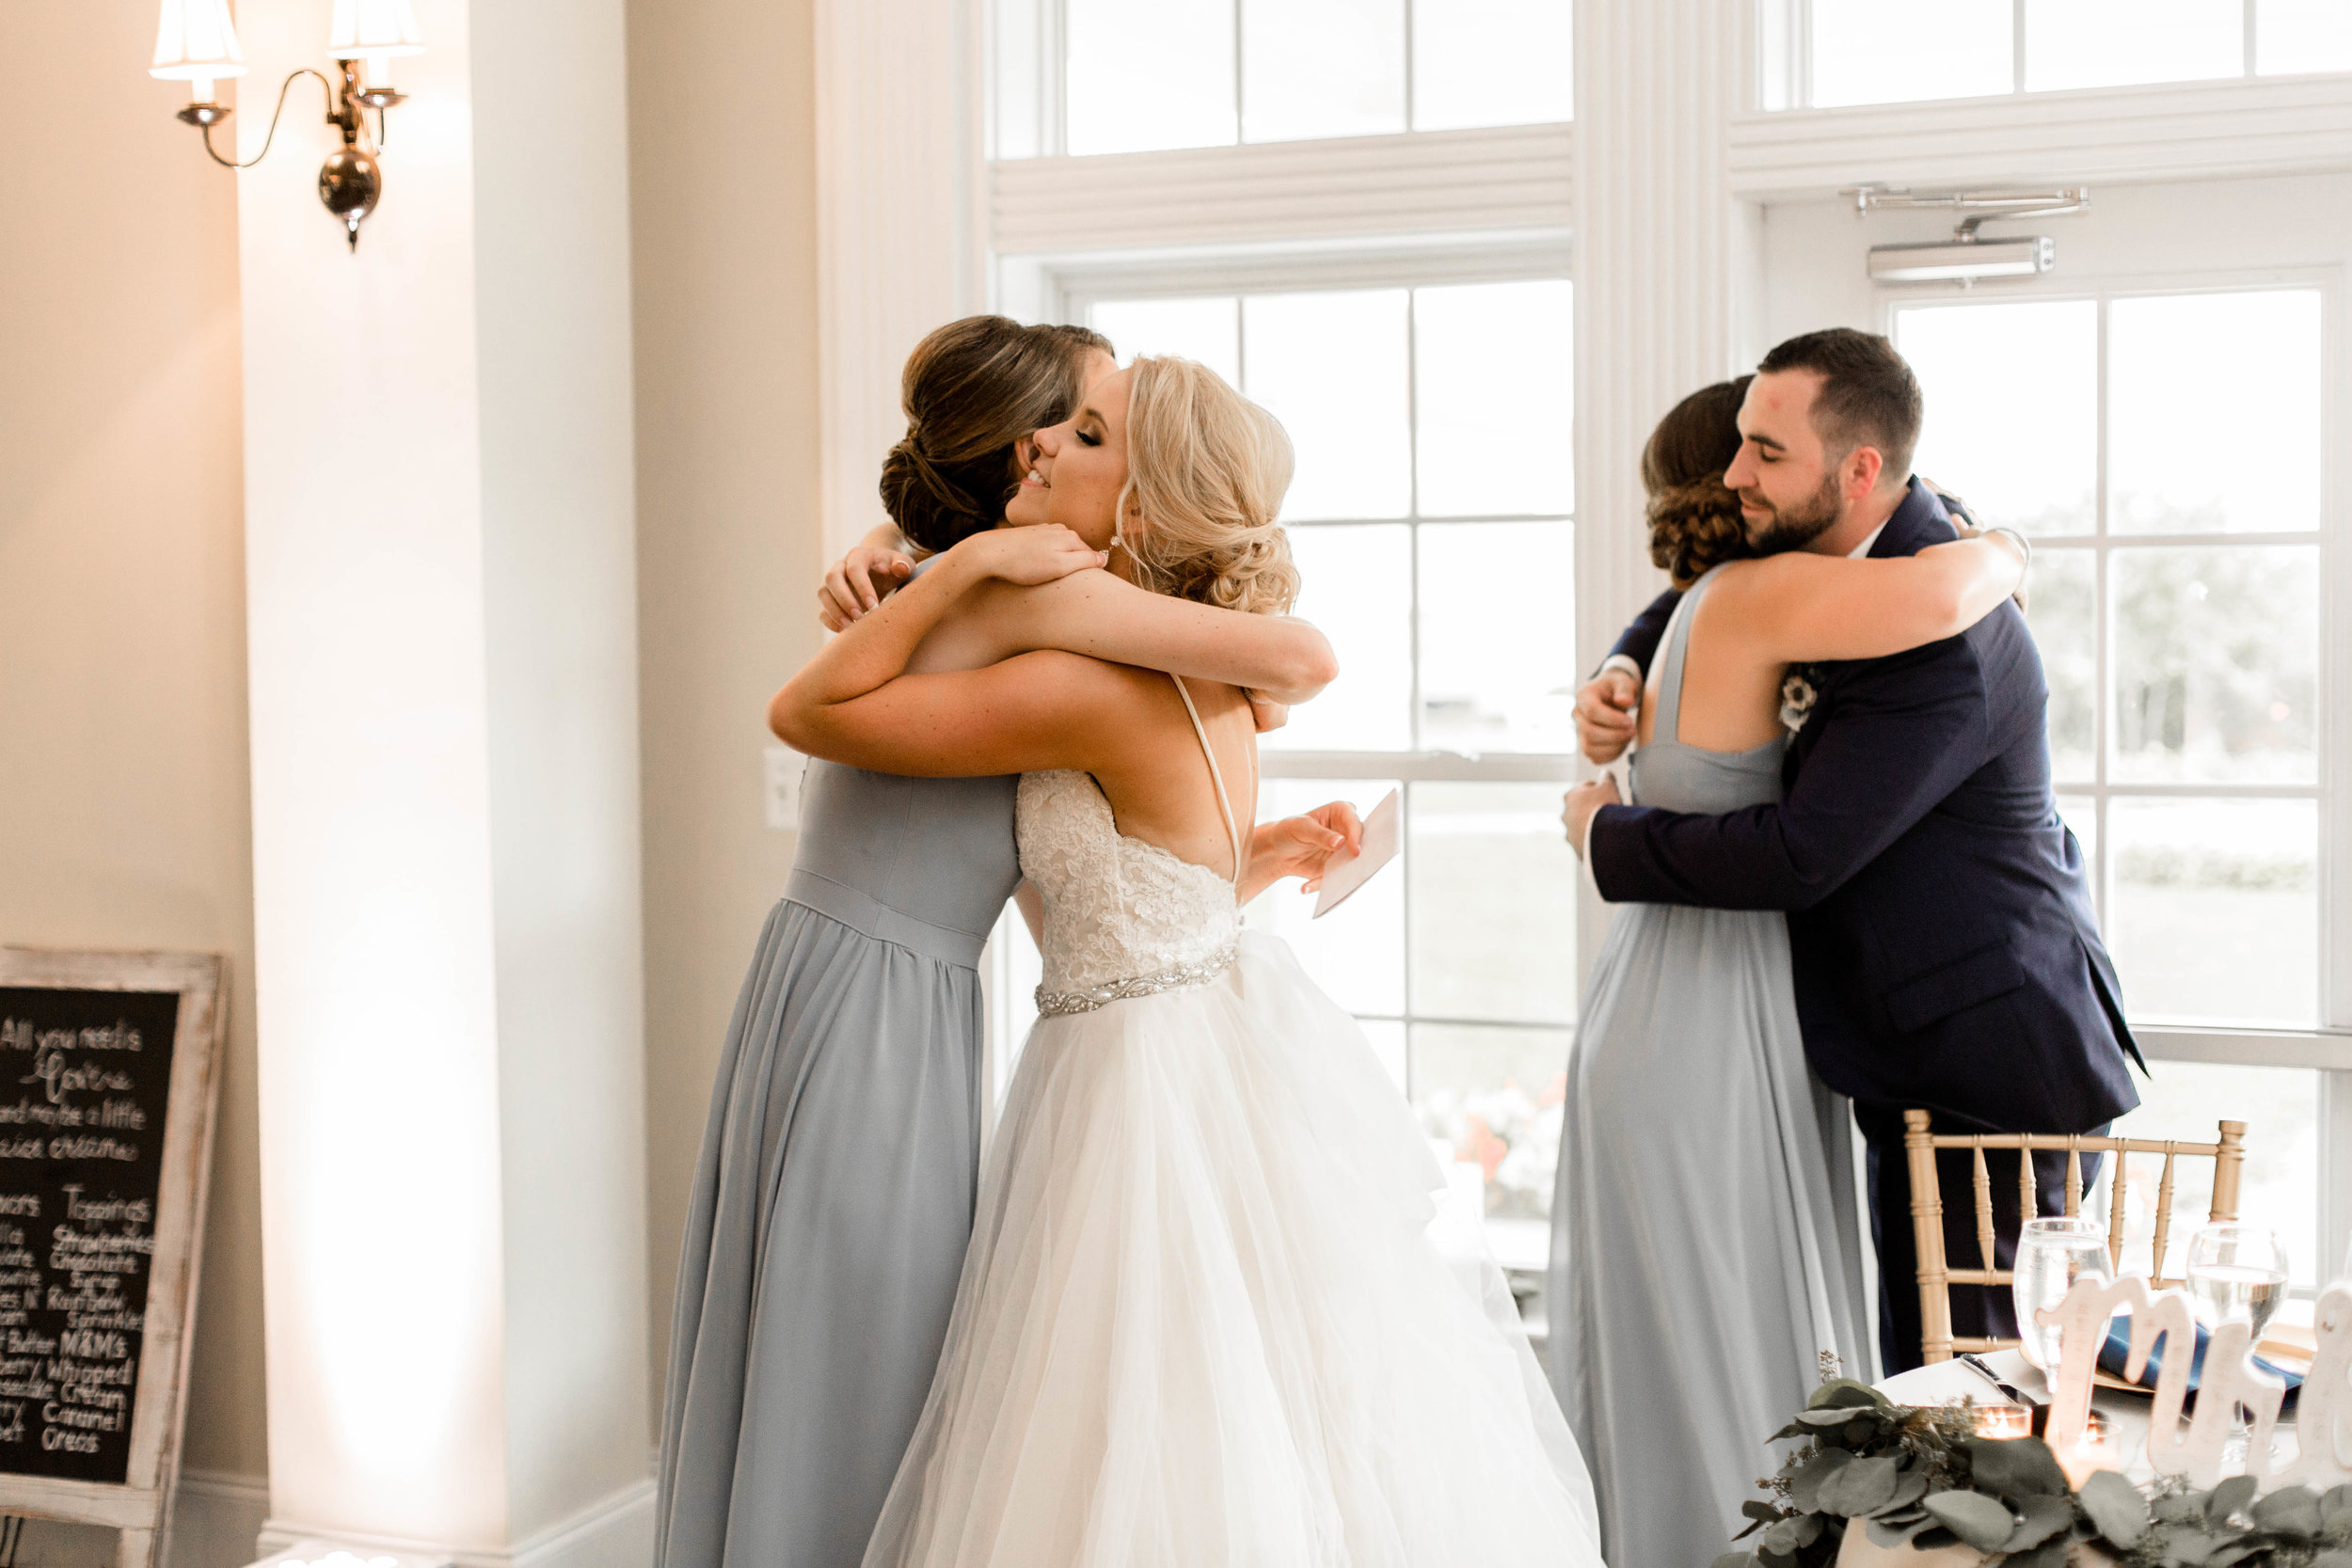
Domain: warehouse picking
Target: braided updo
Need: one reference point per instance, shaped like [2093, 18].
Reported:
[1693, 517]
[1206, 470]
[972, 389]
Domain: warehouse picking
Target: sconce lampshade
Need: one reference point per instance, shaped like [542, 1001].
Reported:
[195, 42]
[374, 30]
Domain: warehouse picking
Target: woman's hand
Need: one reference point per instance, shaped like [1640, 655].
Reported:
[1301, 847]
[1027, 556]
[1583, 802]
[859, 581]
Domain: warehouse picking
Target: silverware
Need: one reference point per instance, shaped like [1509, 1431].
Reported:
[2008, 1391]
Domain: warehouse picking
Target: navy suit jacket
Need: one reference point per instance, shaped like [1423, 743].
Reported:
[1946, 951]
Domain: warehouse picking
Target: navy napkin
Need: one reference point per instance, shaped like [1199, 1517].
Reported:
[2118, 1350]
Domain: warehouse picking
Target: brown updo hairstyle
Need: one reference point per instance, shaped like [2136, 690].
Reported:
[1693, 517]
[971, 390]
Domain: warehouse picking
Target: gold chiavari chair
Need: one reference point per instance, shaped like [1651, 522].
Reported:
[1936, 1275]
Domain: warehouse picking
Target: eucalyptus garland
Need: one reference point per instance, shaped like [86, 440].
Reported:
[1918, 1476]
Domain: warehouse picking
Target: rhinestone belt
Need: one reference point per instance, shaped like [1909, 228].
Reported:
[1057, 1004]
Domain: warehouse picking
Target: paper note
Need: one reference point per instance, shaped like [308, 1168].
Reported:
[1343, 877]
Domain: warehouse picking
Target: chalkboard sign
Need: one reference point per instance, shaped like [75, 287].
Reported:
[108, 1074]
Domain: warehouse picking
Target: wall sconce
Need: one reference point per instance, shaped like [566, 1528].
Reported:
[195, 42]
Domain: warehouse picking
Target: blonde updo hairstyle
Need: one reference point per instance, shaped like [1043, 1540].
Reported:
[1694, 521]
[1206, 470]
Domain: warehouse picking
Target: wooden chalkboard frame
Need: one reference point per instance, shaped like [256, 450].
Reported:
[140, 1508]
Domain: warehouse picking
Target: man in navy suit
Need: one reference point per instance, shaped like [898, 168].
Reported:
[1946, 952]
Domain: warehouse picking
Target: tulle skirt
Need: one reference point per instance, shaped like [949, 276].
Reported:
[1202, 1321]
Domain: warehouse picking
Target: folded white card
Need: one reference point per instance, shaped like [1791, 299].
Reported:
[1343, 877]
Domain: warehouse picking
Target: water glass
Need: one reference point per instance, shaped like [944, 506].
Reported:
[2052, 1254]
[2237, 1272]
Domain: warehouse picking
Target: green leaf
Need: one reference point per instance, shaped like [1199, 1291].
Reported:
[2017, 1467]
[1983, 1522]
[1779, 1540]
[2335, 1507]
[2237, 1551]
[1756, 1508]
[2291, 1511]
[1824, 1419]
[1862, 1487]
[2332, 1559]
[1933, 1539]
[1735, 1559]
[1892, 1536]
[1844, 1391]
[2052, 1553]
[2041, 1518]
[2115, 1507]
[2189, 1546]
[1909, 1488]
[1805, 1485]
[2182, 1508]
[2228, 1497]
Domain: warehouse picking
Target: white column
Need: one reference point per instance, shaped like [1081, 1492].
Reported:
[1657, 85]
[898, 179]
[441, 591]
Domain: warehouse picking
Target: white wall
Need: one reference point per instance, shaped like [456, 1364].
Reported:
[724, 216]
[124, 808]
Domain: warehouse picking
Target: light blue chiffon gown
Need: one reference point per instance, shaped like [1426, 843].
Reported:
[1706, 1246]
[833, 1196]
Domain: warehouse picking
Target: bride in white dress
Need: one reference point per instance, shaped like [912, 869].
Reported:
[1201, 1320]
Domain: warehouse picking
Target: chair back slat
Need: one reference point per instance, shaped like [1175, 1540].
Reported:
[2164, 1209]
[1984, 1209]
[1936, 1274]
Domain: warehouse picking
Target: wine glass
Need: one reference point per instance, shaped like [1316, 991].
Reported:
[2237, 1272]
[2052, 1254]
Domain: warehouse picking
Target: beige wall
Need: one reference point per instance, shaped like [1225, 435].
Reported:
[123, 815]
[723, 149]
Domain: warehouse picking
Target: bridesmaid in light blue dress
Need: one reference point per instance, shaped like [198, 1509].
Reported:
[833, 1195]
[1707, 1249]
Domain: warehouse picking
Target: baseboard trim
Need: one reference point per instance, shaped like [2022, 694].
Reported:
[216, 1517]
[615, 1531]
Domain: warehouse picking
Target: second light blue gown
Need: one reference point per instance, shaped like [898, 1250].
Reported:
[1705, 1244]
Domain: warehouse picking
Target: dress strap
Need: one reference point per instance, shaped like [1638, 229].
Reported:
[1216, 776]
[1667, 726]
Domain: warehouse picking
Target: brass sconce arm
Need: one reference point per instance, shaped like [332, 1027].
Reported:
[349, 182]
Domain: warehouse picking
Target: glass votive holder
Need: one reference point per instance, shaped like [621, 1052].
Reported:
[2004, 1421]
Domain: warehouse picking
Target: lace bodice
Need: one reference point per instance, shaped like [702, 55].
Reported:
[1122, 917]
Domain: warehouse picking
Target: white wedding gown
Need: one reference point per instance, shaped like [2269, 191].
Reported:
[1202, 1324]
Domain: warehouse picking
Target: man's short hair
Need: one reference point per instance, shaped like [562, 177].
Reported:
[1868, 396]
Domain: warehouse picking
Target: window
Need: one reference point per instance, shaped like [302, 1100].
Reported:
[1423, 376]
[2176, 595]
[1888, 51]
[1184, 73]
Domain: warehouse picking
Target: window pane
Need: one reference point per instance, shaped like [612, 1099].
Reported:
[1332, 368]
[2293, 36]
[1490, 62]
[1357, 952]
[1358, 586]
[1150, 76]
[1480, 848]
[1491, 363]
[2080, 813]
[2103, 43]
[2012, 407]
[2279, 1187]
[2216, 656]
[2198, 384]
[1321, 68]
[1498, 637]
[1207, 329]
[2059, 609]
[2214, 911]
[1872, 52]
[1495, 1094]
